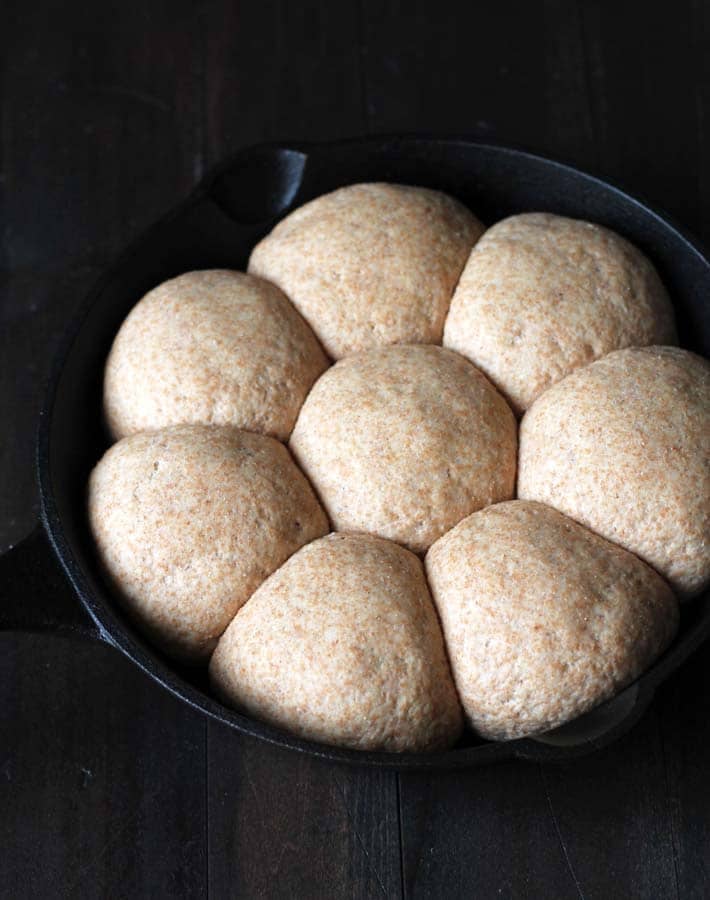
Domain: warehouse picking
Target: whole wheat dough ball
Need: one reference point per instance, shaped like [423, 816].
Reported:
[542, 295]
[342, 645]
[216, 348]
[542, 619]
[370, 264]
[623, 446]
[404, 442]
[190, 520]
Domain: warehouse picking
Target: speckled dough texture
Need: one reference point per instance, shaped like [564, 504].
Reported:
[543, 620]
[370, 264]
[190, 520]
[623, 446]
[542, 295]
[404, 442]
[342, 645]
[214, 347]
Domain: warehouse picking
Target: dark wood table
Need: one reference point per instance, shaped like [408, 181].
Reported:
[110, 113]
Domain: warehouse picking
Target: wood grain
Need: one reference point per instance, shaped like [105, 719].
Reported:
[276, 70]
[282, 825]
[102, 780]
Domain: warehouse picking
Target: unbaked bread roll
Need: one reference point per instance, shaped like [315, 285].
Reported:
[542, 295]
[370, 264]
[190, 520]
[543, 620]
[404, 442]
[342, 645]
[213, 347]
[623, 446]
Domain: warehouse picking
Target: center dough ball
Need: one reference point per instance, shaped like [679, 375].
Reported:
[213, 347]
[403, 442]
[342, 645]
[190, 520]
[370, 264]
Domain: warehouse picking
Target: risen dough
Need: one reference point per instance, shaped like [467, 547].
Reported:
[543, 619]
[190, 520]
[342, 645]
[623, 446]
[542, 295]
[404, 442]
[214, 347]
[370, 264]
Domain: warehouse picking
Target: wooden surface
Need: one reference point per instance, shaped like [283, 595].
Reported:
[110, 113]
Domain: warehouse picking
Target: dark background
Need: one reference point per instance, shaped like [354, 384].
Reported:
[110, 114]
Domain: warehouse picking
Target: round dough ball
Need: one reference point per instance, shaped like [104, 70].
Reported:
[215, 348]
[542, 295]
[190, 520]
[404, 442]
[623, 446]
[543, 620]
[370, 264]
[342, 645]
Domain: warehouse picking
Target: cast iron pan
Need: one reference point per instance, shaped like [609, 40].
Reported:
[51, 581]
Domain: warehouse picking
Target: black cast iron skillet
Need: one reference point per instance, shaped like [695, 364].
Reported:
[51, 581]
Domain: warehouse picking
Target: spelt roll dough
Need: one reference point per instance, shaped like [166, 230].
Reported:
[404, 442]
[370, 264]
[211, 347]
[342, 645]
[542, 295]
[189, 521]
[543, 620]
[623, 446]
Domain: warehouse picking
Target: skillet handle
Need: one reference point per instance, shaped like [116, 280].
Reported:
[35, 594]
[257, 184]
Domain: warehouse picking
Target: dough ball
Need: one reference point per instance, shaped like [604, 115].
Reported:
[342, 645]
[623, 446]
[215, 348]
[370, 264]
[404, 442]
[543, 620]
[542, 295]
[190, 520]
